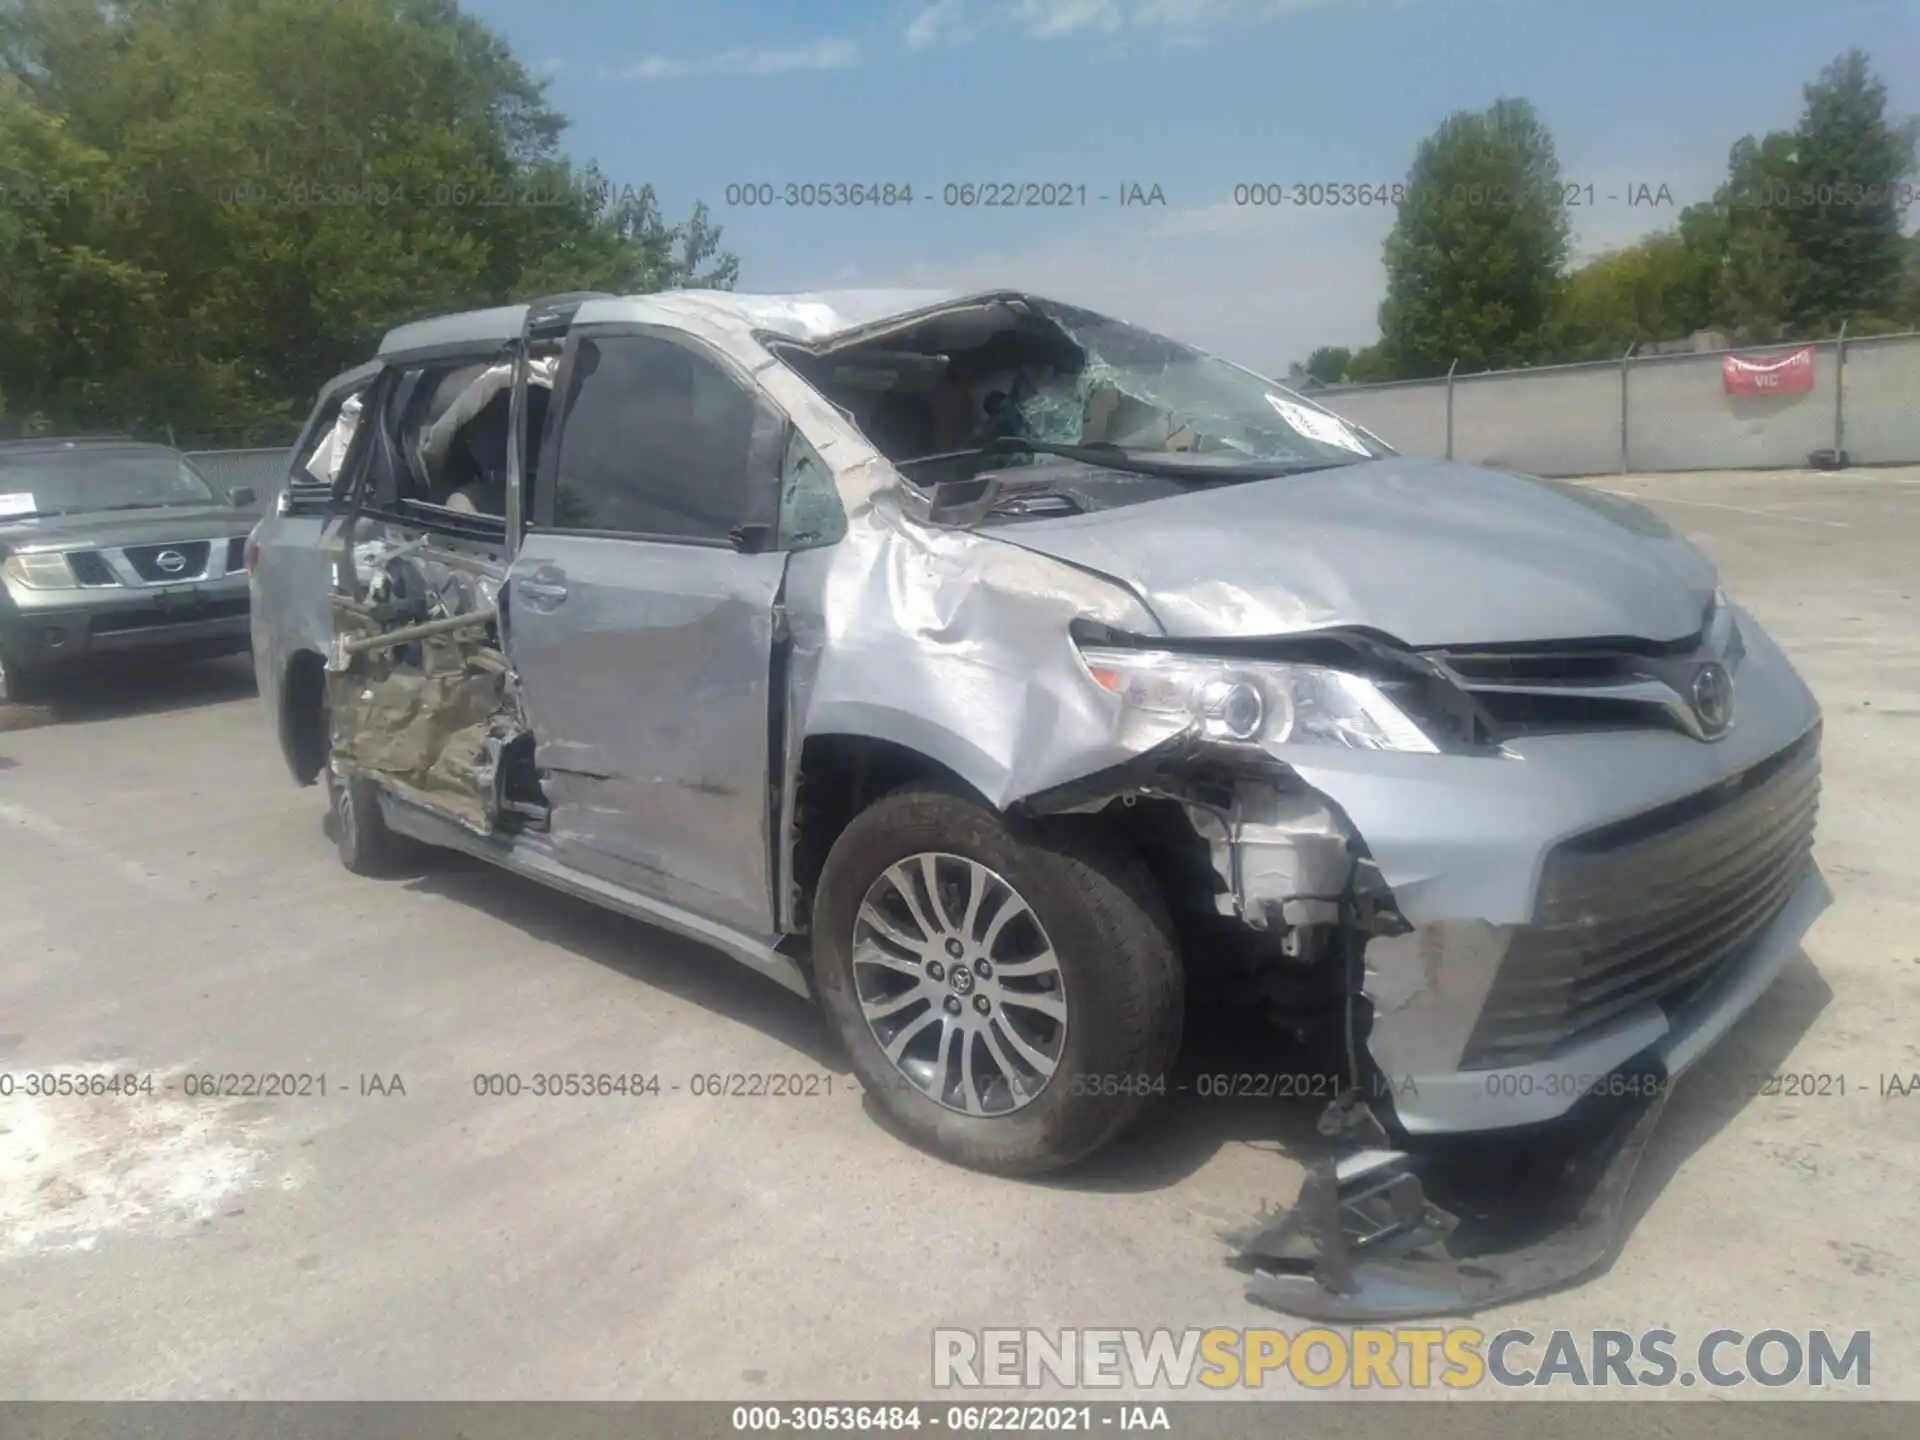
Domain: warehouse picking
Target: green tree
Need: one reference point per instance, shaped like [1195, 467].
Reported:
[1806, 230]
[1852, 161]
[73, 315]
[1328, 364]
[1908, 312]
[1641, 292]
[1477, 247]
[1370, 365]
[278, 182]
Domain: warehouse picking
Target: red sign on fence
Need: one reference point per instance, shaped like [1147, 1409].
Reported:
[1782, 375]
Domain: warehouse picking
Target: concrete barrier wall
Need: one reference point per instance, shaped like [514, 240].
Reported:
[1680, 417]
[1566, 419]
[1560, 420]
[1882, 401]
[1411, 417]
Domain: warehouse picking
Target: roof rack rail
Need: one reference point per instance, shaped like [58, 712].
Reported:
[553, 313]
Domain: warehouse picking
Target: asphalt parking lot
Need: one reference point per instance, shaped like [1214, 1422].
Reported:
[173, 907]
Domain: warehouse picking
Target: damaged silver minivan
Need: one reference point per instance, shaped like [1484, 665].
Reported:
[1001, 674]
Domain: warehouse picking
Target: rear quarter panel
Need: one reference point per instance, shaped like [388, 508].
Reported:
[290, 589]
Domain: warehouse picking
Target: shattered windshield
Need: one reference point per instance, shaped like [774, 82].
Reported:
[1143, 391]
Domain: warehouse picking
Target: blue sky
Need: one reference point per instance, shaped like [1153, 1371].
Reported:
[1195, 96]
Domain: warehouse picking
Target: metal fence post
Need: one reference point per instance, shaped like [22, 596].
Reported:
[1624, 359]
[1839, 394]
[1450, 369]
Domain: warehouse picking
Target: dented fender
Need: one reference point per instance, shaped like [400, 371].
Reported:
[957, 646]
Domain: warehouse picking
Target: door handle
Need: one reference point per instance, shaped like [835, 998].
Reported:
[541, 592]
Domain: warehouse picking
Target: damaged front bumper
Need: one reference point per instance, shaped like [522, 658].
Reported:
[1534, 948]
[1452, 1222]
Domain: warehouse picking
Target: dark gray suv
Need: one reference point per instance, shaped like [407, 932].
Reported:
[109, 545]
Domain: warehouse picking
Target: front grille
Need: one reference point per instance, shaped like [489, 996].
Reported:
[145, 560]
[1538, 667]
[236, 554]
[90, 568]
[149, 617]
[1517, 713]
[1652, 908]
[1571, 688]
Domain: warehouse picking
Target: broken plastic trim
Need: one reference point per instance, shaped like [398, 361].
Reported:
[1379, 1233]
[1384, 1230]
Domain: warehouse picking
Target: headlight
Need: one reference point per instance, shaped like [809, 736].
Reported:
[41, 572]
[1258, 701]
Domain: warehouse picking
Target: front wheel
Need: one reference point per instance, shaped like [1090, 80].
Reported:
[360, 833]
[1010, 995]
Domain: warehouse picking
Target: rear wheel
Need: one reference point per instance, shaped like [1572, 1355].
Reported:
[360, 833]
[1011, 996]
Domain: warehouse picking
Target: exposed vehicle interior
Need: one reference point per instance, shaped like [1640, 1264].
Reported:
[442, 436]
[1006, 407]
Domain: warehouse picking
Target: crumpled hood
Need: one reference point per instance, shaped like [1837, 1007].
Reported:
[1429, 552]
[127, 527]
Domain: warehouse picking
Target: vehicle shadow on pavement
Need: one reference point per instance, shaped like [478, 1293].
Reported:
[1209, 1105]
[140, 686]
[1198, 1116]
[1725, 1082]
[1236, 1082]
[683, 968]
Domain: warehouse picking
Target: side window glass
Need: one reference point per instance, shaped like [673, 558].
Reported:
[810, 511]
[654, 440]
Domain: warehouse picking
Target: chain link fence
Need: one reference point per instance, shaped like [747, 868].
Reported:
[1657, 412]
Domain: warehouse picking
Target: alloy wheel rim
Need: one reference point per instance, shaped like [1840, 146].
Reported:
[959, 984]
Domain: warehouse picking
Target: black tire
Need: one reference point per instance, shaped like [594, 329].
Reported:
[20, 684]
[1110, 933]
[360, 833]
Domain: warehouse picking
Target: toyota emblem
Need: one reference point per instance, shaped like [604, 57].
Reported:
[171, 561]
[1713, 698]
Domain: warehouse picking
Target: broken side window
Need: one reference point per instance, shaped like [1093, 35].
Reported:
[811, 514]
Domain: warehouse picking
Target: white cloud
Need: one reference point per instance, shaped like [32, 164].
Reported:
[765, 60]
[1048, 19]
[1052, 19]
[942, 20]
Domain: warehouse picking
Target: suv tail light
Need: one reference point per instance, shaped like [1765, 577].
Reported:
[252, 554]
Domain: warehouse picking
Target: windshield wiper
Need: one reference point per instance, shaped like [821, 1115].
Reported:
[1158, 463]
[136, 505]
